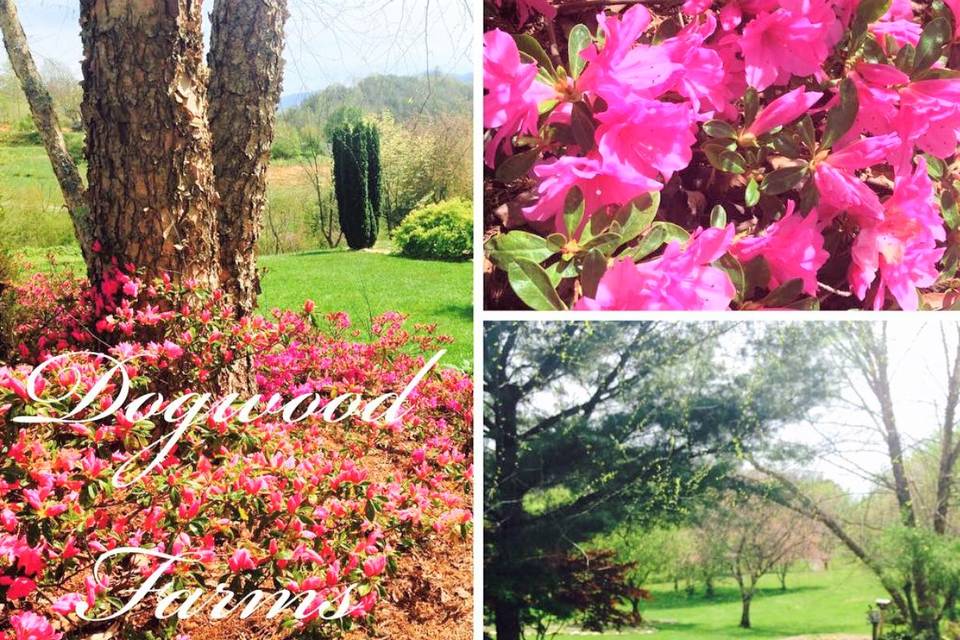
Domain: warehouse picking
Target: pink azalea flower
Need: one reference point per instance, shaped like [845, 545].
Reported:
[28, 625]
[901, 246]
[680, 279]
[513, 94]
[622, 68]
[783, 110]
[840, 189]
[929, 118]
[374, 565]
[792, 247]
[602, 182]
[702, 80]
[649, 136]
[67, 603]
[241, 560]
[793, 40]
[955, 8]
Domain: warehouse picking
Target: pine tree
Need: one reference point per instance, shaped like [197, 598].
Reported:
[356, 172]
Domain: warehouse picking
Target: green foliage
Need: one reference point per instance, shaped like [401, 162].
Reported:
[345, 116]
[356, 179]
[442, 231]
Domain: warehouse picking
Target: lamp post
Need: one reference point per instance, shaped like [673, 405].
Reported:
[875, 617]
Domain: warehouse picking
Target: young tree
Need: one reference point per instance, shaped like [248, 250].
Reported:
[587, 424]
[753, 536]
[356, 180]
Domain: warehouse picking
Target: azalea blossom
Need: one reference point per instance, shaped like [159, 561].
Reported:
[793, 40]
[602, 183]
[902, 246]
[28, 625]
[783, 110]
[792, 247]
[513, 94]
[840, 188]
[681, 279]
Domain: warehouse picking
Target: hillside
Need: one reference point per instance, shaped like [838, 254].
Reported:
[406, 97]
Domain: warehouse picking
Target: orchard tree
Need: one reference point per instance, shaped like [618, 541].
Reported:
[588, 424]
[923, 586]
[176, 147]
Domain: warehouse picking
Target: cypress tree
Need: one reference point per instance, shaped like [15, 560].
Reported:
[356, 174]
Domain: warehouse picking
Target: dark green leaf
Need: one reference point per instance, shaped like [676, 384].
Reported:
[869, 11]
[904, 59]
[808, 132]
[605, 242]
[719, 129]
[581, 121]
[784, 145]
[783, 180]
[579, 40]
[841, 117]
[594, 266]
[734, 269]
[533, 285]
[756, 275]
[636, 216]
[935, 34]
[783, 295]
[935, 166]
[751, 104]
[517, 165]
[732, 162]
[948, 204]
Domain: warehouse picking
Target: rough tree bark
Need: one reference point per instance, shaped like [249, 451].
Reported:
[246, 65]
[48, 125]
[153, 201]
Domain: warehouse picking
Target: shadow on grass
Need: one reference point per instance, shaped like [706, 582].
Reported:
[462, 311]
[723, 595]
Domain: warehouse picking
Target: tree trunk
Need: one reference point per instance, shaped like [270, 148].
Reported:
[709, 589]
[246, 63]
[153, 201]
[507, 620]
[745, 612]
[47, 123]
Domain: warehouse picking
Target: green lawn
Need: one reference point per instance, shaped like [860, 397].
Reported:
[363, 284]
[366, 284]
[815, 603]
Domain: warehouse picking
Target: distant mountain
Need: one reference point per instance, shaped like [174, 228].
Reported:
[404, 96]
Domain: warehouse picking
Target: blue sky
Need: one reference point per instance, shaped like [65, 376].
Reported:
[328, 41]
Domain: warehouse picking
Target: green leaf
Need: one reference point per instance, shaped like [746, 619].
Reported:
[751, 195]
[573, 210]
[948, 205]
[783, 180]
[529, 45]
[637, 215]
[785, 145]
[732, 162]
[594, 266]
[930, 47]
[606, 243]
[734, 269]
[504, 248]
[581, 122]
[904, 59]
[660, 234]
[579, 40]
[533, 285]
[783, 295]
[841, 117]
[808, 133]
[718, 216]
[869, 11]
[719, 129]
[517, 165]
[756, 275]
[751, 104]
[935, 166]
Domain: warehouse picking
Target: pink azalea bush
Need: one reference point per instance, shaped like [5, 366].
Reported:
[733, 154]
[265, 503]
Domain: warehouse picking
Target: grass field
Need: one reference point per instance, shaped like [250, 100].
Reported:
[815, 603]
[363, 284]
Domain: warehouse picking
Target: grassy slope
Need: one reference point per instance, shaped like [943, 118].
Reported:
[815, 603]
[360, 283]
